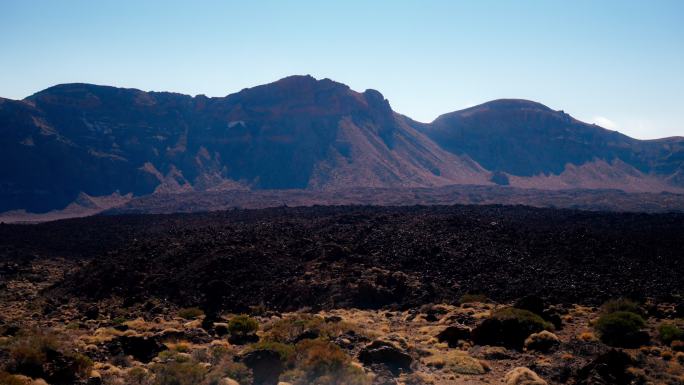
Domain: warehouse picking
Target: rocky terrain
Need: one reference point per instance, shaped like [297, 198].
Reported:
[303, 134]
[345, 295]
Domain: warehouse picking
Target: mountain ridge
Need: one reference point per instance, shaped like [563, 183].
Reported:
[302, 133]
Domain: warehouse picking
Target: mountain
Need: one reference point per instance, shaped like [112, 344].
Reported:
[301, 133]
[529, 144]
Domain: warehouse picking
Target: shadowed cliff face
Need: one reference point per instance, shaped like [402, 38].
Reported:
[300, 133]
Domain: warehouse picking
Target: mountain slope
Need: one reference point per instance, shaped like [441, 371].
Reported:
[550, 149]
[296, 133]
[302, 133]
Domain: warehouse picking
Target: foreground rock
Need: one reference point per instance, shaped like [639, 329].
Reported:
[386, 354]
[509, 327]
[453, 334]
[142, 348]
[265, 364]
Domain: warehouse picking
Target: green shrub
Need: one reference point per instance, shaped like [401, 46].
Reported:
[523, 317]
[470, 298]
[509, 327]
[621, 329]
[242, 325]
[621, 304]
[190, 313]
[668, 332]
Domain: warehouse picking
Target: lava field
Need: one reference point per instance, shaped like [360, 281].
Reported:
[357, 256]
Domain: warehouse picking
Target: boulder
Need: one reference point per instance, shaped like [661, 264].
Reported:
[142, 348]
[221, 329]
[197, 336]
[265, 364]
[385, 354]
[454, 333]
[308, 334]
[607, 368]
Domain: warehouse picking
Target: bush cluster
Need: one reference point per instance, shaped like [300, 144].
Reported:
[289, 329]
[242, 325]
[509, 327]
[668, 332]
[621, 304]
[621, 329]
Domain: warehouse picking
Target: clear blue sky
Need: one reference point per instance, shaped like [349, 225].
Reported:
[618, 62]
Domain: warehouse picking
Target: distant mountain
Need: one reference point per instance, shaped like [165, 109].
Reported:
[547, 148]
[301, 133]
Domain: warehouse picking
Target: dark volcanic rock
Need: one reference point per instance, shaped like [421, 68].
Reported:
[454, 333]
[399, 256]
[386, 354]
[266, 366]
[143, 349]
[608, 369]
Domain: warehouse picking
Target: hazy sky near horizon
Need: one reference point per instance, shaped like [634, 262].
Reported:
[619, 63]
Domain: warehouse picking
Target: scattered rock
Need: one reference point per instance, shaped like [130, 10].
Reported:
[9, 330]
[142, 348]
[523, 376]
[92, 312]
[197, 336]
[308, 334]
[608, 368]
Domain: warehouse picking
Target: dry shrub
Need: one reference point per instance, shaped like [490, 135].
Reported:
[319, 362]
